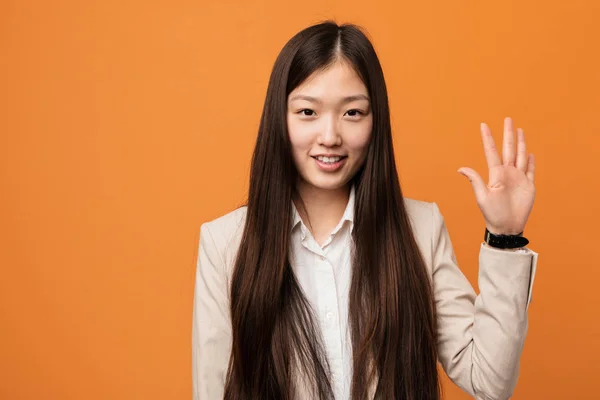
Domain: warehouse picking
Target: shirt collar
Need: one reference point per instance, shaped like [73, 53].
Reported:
[347, 216]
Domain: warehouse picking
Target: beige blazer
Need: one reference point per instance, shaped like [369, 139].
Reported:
[480, 337]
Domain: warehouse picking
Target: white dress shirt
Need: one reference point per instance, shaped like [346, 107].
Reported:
[324, 273]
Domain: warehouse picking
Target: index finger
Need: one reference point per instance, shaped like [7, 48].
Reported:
[489, 147]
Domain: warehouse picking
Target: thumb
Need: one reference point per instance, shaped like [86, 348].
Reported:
[478, 184]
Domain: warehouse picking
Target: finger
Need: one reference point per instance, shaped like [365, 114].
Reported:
[489, 147]
[531, 168]
[477, 183]
[521, 151]
[508, 146]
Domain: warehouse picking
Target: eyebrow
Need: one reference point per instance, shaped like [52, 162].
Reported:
[347, 99]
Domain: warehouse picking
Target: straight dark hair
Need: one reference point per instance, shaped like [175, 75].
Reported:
[391, 308]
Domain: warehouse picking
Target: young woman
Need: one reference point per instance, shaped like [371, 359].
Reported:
[329, 284]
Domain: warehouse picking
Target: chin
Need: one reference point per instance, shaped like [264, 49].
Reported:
[326, 184]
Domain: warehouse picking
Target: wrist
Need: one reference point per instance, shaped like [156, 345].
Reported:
[504, 231]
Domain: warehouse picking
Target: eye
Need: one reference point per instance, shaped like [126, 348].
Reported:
[354, 113]
[306, 112]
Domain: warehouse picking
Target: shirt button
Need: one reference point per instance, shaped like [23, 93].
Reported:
[328, 316]
[334, 376]
[322, 258]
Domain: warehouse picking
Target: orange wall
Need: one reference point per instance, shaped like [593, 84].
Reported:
[125, 124]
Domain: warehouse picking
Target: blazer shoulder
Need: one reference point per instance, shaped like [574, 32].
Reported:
[227, 223]
[420, 212]
[226, 232]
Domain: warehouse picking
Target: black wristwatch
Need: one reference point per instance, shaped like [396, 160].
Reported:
[505, 241]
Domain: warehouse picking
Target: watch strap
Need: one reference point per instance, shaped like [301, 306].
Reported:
[505, 241]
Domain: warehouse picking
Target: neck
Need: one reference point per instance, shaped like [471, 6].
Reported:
[324, 207]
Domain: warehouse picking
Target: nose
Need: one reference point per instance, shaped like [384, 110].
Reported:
[330, 135]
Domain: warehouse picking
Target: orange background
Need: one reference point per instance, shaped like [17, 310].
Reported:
[126, 124]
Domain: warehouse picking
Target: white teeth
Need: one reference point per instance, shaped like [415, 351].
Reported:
[329, 160]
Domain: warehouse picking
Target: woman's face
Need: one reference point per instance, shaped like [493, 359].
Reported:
[329, 121]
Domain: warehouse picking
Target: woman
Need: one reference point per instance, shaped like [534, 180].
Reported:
[329, 283]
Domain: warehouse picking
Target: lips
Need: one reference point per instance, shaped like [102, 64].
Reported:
[330, 166]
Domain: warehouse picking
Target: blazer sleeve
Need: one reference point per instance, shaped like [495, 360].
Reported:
[481, 337]
[211, 327]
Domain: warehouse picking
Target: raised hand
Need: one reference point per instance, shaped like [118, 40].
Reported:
[507, 199]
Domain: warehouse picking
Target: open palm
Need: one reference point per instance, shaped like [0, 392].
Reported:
[507, 199]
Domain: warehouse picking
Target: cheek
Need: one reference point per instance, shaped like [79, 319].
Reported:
[359, 138]
[300, 137]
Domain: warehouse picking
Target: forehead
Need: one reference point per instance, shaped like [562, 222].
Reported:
[337, 80]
